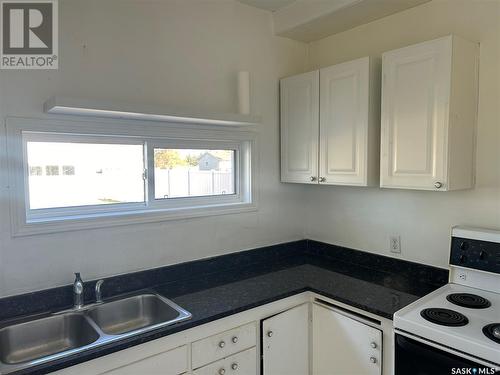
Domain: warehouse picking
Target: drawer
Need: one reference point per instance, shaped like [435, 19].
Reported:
[223, 344]
[173, 362]
[244, 363]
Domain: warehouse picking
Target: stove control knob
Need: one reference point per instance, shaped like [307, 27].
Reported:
[496, 332]
[373, 360]
[373, 345]
[464, 245]
[483, 255]
[462, 259]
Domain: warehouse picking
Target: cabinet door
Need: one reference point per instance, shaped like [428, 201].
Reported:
[344, 98]
[415, 108]
[286, 342]
[299, 96]
[344, 346]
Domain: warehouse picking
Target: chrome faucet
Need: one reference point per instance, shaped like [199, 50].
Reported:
[98, 294]
[78, 291]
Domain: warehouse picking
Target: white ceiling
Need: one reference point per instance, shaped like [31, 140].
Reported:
[272, 5]
[309, 20]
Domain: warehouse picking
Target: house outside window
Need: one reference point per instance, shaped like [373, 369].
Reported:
[52, 170]
[68, 170]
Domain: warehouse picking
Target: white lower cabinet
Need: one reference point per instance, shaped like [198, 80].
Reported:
[299, 335]
[285, 342]
[173, 362]
[244, 363]
[223, 344]
[344, 346]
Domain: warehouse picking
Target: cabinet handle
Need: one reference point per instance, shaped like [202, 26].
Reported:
[373, 345]
[234, 366]
[322, 179]
[312, 178]
[438, 185]
[222, 344]
[269, 333]
[373, 360]
[234, 339]
[222, 371]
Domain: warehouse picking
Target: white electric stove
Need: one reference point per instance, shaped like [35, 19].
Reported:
[456, 329]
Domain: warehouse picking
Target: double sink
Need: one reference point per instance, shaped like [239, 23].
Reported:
[65, 333]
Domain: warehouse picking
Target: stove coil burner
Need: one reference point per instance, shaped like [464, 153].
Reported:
[492, 331]
[444, 317]
[472, 301]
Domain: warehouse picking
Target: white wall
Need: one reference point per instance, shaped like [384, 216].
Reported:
[183, 53]
[364, 218]
[186, 53]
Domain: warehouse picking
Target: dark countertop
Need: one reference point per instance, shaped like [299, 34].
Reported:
[215, 295]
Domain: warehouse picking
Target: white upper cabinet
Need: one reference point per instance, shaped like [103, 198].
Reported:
[337, 108]
[299, 131]
[429, 108]
[349, 118]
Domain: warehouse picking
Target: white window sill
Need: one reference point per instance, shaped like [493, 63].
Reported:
[95, 221]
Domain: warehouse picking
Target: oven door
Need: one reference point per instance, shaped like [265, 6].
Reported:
[414, 357]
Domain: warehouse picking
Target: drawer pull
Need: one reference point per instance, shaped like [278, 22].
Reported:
[222, 371]
[234, 339]
[222, 344]
[234, 366]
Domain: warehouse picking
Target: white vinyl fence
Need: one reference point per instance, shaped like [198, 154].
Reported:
[115, 186]
[171, 183]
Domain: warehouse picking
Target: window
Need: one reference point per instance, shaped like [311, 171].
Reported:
[84, 175]
[107, 173]
[193, 172]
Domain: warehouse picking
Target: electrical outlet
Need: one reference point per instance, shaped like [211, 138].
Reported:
[395, 244]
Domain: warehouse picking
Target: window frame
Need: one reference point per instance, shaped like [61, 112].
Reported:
[158, 135]
[197, 200]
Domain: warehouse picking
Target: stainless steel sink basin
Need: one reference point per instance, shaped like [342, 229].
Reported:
[133, 313]
[26, 344]
[45, 337]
